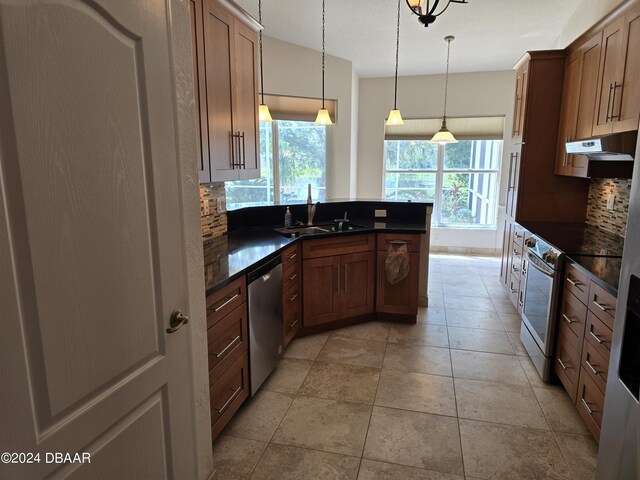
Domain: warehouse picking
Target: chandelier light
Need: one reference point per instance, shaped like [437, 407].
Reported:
[263, 110]
[444, 136]
[427, 10]
[395, 118]
[323, 117]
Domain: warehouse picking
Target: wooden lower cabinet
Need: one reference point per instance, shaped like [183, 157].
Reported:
[321, 301]
[358, 272]
[400, 298]
[291, 292]
[228, 394]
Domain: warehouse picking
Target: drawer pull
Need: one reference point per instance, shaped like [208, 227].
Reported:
[291, 325]
[231, 399]
[217, 309]
[514, 291]
[564, 367]
[517, 235]
[293, 277]
[291, 257]
[575, 283]
[293, 297]
[592, 367]
[604, 308]
[568, 320]
[586, 405]
[398, 242]
[515, 268]
[595, 336]
[516, 253]
[233, 340]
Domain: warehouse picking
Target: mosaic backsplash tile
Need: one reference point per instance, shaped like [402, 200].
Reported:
[214, 222]
[597, 213]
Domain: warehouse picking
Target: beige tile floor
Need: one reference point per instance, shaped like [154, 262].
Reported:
[452, 397]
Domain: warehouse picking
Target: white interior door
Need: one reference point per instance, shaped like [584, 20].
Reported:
[92, 262]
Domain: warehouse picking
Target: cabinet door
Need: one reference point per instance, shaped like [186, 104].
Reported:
[627, 113]
[520, 100]
[401, 298]
[245, 100]
[505, 272]
[610, 77]
[514, 178]
[321, 296]
[590, 53]
[357, 284]
[218, 34]
[199, 86]
[569, 110]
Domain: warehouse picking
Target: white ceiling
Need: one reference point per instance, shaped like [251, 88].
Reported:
[490, 34]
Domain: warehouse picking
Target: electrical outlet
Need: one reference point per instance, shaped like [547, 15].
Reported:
[205, 206]
[380, 213]
[611, 202]
[222, 205]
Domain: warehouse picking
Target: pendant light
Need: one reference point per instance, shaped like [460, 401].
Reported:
[263, 110]
[444, 135]
[426, 10]
[395, 118]
[323, 117]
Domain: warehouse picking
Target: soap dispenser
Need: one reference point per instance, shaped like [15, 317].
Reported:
[287, 218]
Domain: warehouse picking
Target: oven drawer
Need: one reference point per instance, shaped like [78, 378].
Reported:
[227, 340]
[577, 283]
[595, 366]
[590, 403]
[567, 366]
[602, 304]
[599, 336]
[573, 314]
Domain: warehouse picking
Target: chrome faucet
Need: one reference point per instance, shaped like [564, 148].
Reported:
[311, 211]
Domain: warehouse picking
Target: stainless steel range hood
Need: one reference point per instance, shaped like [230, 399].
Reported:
[615, 147]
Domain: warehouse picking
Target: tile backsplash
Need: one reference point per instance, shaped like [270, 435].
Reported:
[214, 222]
[597, 213]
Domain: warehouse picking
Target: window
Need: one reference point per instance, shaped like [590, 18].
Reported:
[460, 178]
[300, 152]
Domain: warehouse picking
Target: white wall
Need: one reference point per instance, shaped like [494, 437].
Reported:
[293, 70]
[470, 94]
[587, 13]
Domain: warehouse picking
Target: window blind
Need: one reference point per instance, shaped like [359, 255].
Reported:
[463, 128]
[298, 108]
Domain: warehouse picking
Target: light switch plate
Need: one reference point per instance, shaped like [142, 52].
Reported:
[222, 205]
[205, 206]
[380, 213]
[611, 202]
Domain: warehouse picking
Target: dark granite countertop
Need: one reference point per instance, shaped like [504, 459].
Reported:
[230, 256]
[605, 271]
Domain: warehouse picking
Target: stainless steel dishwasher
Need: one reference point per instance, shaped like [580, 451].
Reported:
[265, 321]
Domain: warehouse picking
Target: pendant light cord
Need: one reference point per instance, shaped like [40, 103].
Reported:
[395, 91]
[446, 79]
[323, 54]
[261, 69]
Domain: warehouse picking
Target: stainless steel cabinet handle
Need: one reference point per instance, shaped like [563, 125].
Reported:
[177, 320]
[231, 399]
[608, 117]
[600, 306]
[292, 277]
[338, 278]
[291, 325]
[233, 340]
[513, 290]
[613, 102]
[217, 309]
[595, 336]
[569, 321]
[586, 405]
[398, 242]
[564, 367]
[517, 235]
[291, 257]
[592, 367]
[575, 283]
[345, 279]
[293, 297]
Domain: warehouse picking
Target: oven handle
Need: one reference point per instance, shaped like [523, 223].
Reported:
[533, 264]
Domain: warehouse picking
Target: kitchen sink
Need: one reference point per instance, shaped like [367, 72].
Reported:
[296, 231]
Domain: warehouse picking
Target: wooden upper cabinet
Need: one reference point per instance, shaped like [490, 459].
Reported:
[590, 65]
[225, 66]
[522, 74]
[618, 99]
[569, 109]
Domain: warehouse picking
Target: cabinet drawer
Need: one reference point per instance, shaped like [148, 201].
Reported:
[225, 300]
[573, 314]
[595, 365]
[514, 289]
[228, 393]
[598, 335]
[411, 240]
[590, 403]
[290, 257]
[516, 265]
[345, 243]
[577, 283]
[227, 340]
[291, 299]
[567, 366]
[292, 323]
[602, 304]
[290, 277]
[518, 235]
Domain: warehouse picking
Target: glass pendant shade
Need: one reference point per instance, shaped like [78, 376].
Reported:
[263, 114]
[323, 117]
[444, 136]
[395, 118]
[413, 4]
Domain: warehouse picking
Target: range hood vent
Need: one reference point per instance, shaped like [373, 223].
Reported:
[616, 147]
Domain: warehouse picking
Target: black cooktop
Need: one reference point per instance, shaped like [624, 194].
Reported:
[578, 238]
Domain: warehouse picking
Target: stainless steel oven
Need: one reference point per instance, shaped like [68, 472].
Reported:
[542, 277]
